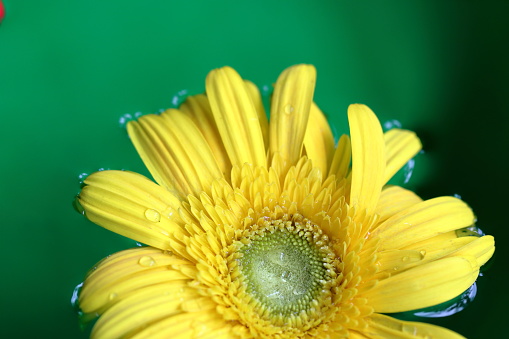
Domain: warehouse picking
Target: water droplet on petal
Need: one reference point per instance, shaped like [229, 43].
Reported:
[423, 253]
[82, 177]
[405, 259]
[450, 307]
[152, 215]
[179, 98]
[289, 109]
[146, 261]
[112, 296]
[75, 295]
[77, 206]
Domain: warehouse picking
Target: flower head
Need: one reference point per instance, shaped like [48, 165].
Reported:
[265, 229]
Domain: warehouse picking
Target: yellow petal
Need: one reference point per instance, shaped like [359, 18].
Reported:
[260, 110]
[188, 325]
[175, 152]
[481, 248]
[290, 108]
[342, 157]
[422, 221]
[126, 272]
[236, 117]
[131, 205]
[424, 285]
[401, 146]
[393, 200]
[136, 312]
[368, 157]
[198, 108]
[318, 140]
[382, 326]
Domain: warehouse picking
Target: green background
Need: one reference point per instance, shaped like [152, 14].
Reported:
[69, 70]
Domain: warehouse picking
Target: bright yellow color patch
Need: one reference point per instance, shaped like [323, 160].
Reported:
[267, 229]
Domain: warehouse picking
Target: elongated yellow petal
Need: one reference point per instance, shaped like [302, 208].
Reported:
[342, 157]
[422, 221]
[236, 117]
[318, 141]
[198, 108]
[290, 108]
[424, 285]
[382, 326]
[187, 325]
[149, 304]
[254, 92]
[393, 200]
[131, 205]
[368, 157]
[175, 151]
[481, 248]
[400, 146]
[124, 273]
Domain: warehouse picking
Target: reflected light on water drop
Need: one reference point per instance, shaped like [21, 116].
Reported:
[75, 295]
[179, 98]
[390, 124]
[146, 261]
[408, 170]
[459, 305]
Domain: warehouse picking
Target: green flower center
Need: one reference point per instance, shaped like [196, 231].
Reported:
[286, 266]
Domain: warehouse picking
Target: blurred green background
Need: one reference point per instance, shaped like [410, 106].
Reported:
[69, 70]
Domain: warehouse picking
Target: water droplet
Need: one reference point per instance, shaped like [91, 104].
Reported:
[450, 307]
[146, 261]
[423, 253]
[289, 109]
[409, 329]
[471, 231]
[75, 296]
[390, 124]
[408, 170]
[405, 259]
[286, 275]
[139, 244]
[152, 215]
[457, 196]
[395, 268]
[112, 296]
[124, 119]
[82, 177]
[179, 98]
[77, 206]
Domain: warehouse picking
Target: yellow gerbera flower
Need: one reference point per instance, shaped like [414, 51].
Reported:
[259, 229]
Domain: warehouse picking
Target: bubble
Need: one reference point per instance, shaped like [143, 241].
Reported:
[152, 215]
[146, 261]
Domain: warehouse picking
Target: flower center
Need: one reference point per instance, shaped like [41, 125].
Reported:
[286, 265]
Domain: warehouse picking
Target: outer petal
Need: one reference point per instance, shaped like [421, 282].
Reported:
[236, 117]
[401, 146]
[318, 141]
[175, 151]
[422, 221]
[199, 324]
[129, 204]
[290, 108]
[424, 285]
[393, 200]
[198, 108]
[342, 157]
[128, 273]
[260, 110]
[382, 326]
[368, 157]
